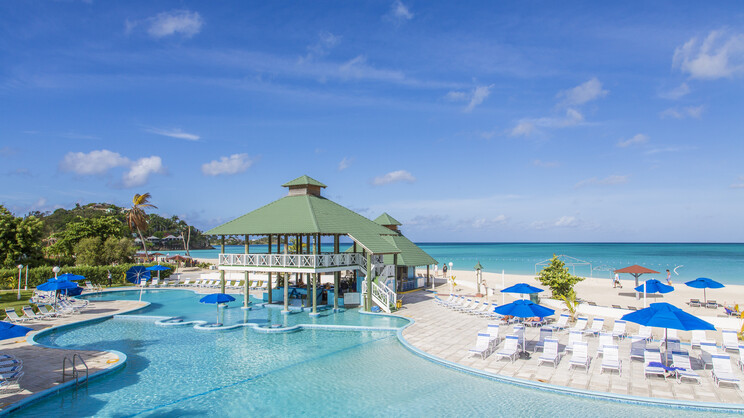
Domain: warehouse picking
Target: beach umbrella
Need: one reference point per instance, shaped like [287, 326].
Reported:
[667, 316]
[75, 291]
[653, 286]
[8, 330]
[158, 268]
[522, 288]
[70, 277]
[636, 271]
[54, 285]
[138, 275]
[217, 298]
[704, 283]
[523, 309]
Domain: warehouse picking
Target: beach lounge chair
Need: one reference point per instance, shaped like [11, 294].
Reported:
[671, 334]
[12, 316]
[591, 303]
[545, 333]
[730, 312]
[605, 339]
[482, 346]
[459, 300]
[29, 313]
[474, 307]
[518, 330]
[618, 329]
[730, 340]
[596, 328]
[550, 353]
[694, 303]
[155, 283]
[697, 336]
[580, 325]
[707, 350]
[470, 303]
[580, 355]
[562, 322]
[487, 310]
[637, 347]
[712, 304]
[444, 301]
[185, 283]
[510, 349]
[574, 337]
[611, 359]
[645, 332]
[617, 307]
[632, 308]
[722, 371]
[493, 335]
[683, 367]
[8, 380]
[653, 364]
[482, 308]
[47, 311]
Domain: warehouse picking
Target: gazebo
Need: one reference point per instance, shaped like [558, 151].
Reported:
[294, 227]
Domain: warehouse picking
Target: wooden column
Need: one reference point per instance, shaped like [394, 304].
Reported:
[316, 247]
[427, 276]
[268, 285]
[354, 272]
[336, 275]
[395, 273]
[368, 279]
[307, 275]
[246, 285]
[222, 272]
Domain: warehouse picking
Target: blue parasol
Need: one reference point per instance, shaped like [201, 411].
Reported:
[54, 285]
[217, 298]
[704, 283]
[523, 309]
[138, 275]
[70, 277]
[158, 268]
[665, 315]
[653, 286]
[8, 330]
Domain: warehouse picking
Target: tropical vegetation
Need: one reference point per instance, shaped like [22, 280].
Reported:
[556, 276]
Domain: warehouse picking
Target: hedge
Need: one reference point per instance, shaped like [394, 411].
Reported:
[96, 274]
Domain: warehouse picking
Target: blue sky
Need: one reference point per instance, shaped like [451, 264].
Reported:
[467, 121]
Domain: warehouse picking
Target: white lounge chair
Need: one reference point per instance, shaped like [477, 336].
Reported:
[671, 345]
[637, 347]
[645, 332]
[605, 339]
[8, 380]
[440, 301]
[671, 334]
[482, 346]
[29, 313]
[740, 361]
[707, 350]
[596, 328]
[155, 283]
[545, 333]
[681, 361]
[580, 355]
[611, 359]
[618, 329]
[581, 324]
[722, 371]
[697, 336]
[510, 349]
[465, 306]
[730, 340]
[487, 310]
[550, 353]
[474, 307]
[493, 335]
[573, 338]
[653, 364]
[518, 330]
[562, 322]
[12, 316]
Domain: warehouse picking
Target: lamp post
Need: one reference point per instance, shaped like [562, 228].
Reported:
[478, 278]
[25, 283]
[55, 270]
[450, 273]
[20, 269]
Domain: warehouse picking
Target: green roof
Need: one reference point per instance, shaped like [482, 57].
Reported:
[386, 219]
[478, 266]
[302, 181]
[409, 253]
[310, 214]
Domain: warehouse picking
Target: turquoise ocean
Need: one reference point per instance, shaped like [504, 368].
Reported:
[687, 261]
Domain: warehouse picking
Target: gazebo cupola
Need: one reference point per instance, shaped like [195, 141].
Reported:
[388, 222]
[304, 185]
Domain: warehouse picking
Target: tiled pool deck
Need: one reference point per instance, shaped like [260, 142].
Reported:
[449, 335]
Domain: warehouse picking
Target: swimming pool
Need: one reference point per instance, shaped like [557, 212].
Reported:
[176, 371]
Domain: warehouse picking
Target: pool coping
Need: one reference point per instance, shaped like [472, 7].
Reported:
[563, 390]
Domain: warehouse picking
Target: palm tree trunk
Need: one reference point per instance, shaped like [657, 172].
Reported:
[144, 244]
[186, 241]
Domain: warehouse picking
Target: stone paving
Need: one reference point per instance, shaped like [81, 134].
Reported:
[43, 366]
[449, 335]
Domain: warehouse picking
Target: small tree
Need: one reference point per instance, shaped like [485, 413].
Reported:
[557, 278]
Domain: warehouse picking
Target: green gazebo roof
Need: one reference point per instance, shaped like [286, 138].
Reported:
[478, 266]
[386, 219]
[410, 254]
[302, 181]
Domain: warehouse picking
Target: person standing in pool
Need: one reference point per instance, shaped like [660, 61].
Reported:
[669, 277]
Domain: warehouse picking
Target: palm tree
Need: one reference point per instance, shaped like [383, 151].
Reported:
[137, 218]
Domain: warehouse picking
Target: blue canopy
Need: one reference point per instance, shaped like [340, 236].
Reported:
[704, 283]
[524, 309]
[664, 315]
[522, 288]
[137, 275]
[8, 330]
[217, 298]
[75, 291]
[158, 267]
[55, 285]
[655, 286]
[70, 277]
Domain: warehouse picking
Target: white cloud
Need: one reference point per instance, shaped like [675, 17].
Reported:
[345, 163]
[358, 68]
[739, 185]
[685, 112]
[182, 22]
[635, 140]
[677, 92]
[174, 133]
[583, 93]
[394, 177]
[567, 222]
[141, 170]
[668, 149]
[400, 12]
[234, 164]
[719, 55]
[94, 162]
[545, 164]
[526, 127]
[326, 41]
[456, 96]
[523, 128]
[607, 181]
[480, 93]
[480, 223]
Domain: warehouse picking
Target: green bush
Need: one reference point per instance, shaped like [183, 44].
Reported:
[96, 274]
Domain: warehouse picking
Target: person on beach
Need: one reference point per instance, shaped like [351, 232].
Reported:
[616, 282]
[436, 270]
[444, 270]
[485, 286]
[669, 277]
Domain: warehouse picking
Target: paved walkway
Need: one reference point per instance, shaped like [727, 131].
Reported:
[43, 366]
[449, 335]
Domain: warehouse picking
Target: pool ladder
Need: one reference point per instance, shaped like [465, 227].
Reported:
[74, 372]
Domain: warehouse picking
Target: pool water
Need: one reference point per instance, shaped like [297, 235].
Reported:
[178, 371]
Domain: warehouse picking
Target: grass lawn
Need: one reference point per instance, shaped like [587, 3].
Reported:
[9, 299]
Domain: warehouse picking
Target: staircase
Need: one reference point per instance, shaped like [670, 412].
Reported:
[382, 295]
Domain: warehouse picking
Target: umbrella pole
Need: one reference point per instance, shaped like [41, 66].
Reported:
[666, 345]
[644, 295]
[705, 295]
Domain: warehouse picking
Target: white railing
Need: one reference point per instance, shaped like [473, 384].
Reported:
[297, 260]
[382, 295]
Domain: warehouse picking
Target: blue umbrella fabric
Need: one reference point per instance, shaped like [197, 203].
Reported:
[75, 291]
[217, 298]
[137, 275]
[8, 330]
[70, 277]
[524, 309]
[521, 288]
[158, 267]
[54, 285]
[655, 286]
[665, 315]
[704, 283]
